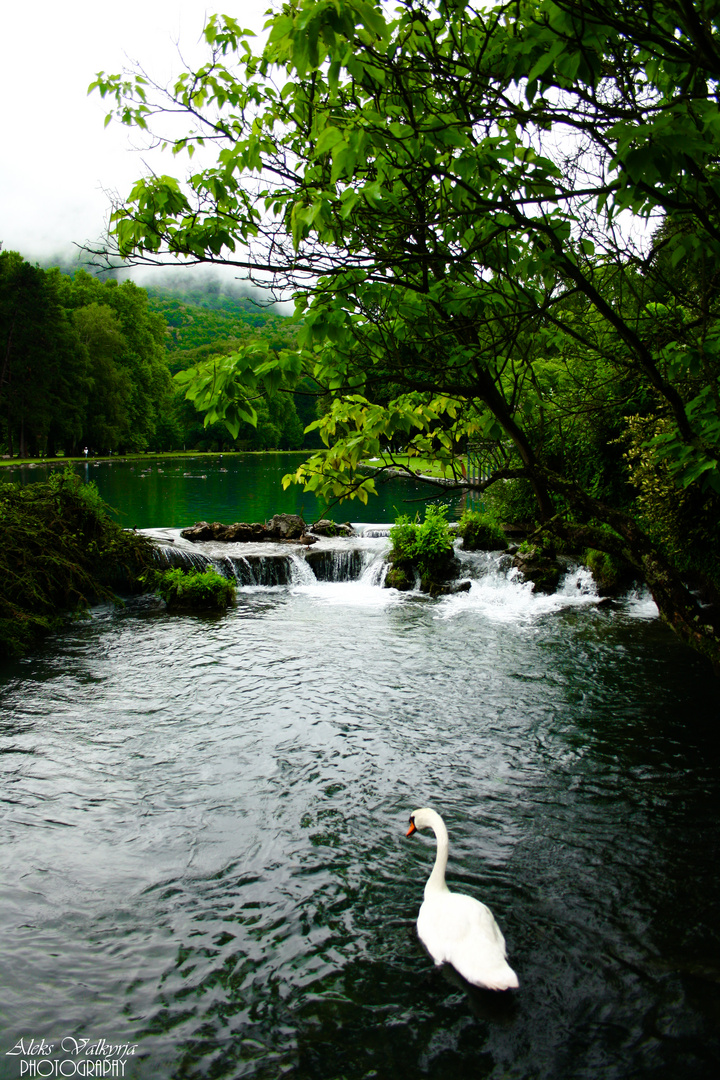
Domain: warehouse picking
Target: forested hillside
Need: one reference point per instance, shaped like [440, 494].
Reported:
[90, 363]
[204, 320]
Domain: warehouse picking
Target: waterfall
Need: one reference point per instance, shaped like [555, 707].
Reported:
[341, 561]
[169, 557]
[338, 564]
[372, 531]
[263, 570]
[334, 564]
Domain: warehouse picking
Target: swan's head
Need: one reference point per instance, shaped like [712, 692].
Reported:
[424, 818]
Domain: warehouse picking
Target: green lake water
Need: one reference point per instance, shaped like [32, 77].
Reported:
[177, 492]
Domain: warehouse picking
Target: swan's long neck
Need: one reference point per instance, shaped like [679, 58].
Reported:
[436, 881]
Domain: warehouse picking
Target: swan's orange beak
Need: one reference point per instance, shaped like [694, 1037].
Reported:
[412, 828]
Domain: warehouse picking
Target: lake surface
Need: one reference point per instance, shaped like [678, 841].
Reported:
[203, 835]
[177, 492]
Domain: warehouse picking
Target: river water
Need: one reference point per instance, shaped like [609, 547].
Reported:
[203, 835]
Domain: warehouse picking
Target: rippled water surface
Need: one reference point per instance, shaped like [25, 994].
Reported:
[203, 842]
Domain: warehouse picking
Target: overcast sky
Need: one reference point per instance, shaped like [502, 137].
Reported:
[56, 158]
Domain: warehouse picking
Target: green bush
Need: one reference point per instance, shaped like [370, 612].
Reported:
[192, 590]
[60, 552]
[480, 533]
[512, 500]
[425, 546]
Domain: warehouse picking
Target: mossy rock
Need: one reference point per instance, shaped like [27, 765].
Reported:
[192, 590]
[541, 566]
[437, 577]
[612, 575]
[400, 576]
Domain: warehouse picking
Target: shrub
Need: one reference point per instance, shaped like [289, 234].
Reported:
[425, 546]
[192, 590]
[684, 521]
[60, 552]
[512, 500]
[480, 533]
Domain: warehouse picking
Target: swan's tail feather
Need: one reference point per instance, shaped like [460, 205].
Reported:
[503, 978]
[504, 984]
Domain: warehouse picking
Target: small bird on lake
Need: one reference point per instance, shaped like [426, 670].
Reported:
[457, 929]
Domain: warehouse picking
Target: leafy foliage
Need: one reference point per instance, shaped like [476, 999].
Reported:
[60, 552]
[683, 522]
[500, 224]
[480, 532]
[425, 545]
[191, 590]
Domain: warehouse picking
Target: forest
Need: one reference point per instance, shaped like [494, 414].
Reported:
[87, 362]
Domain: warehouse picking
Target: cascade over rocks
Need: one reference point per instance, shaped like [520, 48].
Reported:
[281, 527]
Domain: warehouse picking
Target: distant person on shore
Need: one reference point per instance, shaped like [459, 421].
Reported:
[85, 451]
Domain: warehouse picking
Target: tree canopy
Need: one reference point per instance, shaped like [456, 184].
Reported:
[500, 224]
[86, 362]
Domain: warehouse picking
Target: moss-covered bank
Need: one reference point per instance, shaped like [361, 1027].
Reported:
[60, 552]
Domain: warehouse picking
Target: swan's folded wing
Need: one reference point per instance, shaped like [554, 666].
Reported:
[458, 930]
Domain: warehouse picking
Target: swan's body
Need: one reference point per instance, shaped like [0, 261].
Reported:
[456, 929]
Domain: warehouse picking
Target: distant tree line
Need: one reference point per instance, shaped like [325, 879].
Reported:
[86, 362]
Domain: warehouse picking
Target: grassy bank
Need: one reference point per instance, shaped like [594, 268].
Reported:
[423, 466]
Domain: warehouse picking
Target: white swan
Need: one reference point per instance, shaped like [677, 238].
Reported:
[456, 929]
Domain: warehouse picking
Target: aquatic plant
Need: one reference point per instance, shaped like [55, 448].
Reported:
[192, 590]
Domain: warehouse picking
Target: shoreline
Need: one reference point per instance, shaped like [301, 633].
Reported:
[146, 455]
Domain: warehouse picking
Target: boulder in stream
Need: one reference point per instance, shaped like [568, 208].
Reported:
[243, 533]
[201, 530]
[541, 566]
[280, 527]
[239, 532]
[325, 527]
[286, 527]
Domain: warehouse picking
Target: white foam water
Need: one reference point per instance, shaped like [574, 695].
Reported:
[500, 594]
[353, 571]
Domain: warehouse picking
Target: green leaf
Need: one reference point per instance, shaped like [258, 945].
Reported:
[329, 137]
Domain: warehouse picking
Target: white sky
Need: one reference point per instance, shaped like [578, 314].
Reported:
[56, 157]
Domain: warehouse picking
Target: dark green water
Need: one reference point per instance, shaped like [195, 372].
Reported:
[203, 842]
[177, 492]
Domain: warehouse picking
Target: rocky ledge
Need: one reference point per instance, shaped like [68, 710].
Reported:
[281, 527]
